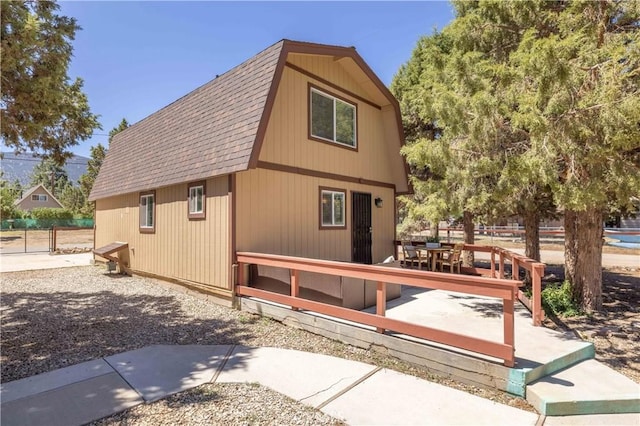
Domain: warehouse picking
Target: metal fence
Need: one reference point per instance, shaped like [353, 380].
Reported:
[26, 240]
[33, 236]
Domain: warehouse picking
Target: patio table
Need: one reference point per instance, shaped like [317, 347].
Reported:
[433, 254]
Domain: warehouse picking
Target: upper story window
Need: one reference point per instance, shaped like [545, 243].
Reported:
[332, 208]
[332, 119]
[148, 212]
[197, 204]
[39, 197]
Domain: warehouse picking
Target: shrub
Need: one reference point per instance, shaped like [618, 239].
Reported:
[558, 299]
[46, 213]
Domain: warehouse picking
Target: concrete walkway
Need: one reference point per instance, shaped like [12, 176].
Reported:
[34, 261]
[352, 391]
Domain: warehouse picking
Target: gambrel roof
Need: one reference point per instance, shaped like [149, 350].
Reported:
[215, 130]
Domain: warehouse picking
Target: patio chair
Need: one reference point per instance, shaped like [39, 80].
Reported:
[412, 255]
[453, 259]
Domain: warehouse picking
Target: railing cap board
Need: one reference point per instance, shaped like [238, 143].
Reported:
[494, 287]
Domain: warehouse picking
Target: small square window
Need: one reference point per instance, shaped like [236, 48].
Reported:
[148, 212]
[197, 200]
[39, 197]
[332, 208]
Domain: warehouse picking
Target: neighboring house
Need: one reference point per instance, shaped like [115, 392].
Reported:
[37, 197]
[295, 152]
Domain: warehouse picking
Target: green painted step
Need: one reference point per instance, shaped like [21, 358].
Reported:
[588, 387]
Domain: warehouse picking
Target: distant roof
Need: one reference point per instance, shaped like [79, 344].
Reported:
[30, 191]
[215, 130]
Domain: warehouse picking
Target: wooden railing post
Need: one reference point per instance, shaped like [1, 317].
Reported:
[240, 277]
[493, 263]
[537, 271]
[509, 326]
[501, 265]
[515, 268]
[381, 302]
[295, 285]
[55, 239]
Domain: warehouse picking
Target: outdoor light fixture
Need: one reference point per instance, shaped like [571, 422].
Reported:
[378, 202]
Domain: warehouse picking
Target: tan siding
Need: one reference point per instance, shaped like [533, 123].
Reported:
[195, 250]
[286, 140]
[278, 213]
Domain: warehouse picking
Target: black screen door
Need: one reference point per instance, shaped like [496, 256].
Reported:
[361, 227]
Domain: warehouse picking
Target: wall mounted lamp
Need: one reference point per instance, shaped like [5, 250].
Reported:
[378, 202]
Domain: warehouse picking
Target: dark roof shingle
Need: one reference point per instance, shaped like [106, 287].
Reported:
[209, 132]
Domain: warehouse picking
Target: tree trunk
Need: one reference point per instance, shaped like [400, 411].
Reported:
[433, 229]
[469, 238]
[532, 234]
[570, 246]
[587, 270]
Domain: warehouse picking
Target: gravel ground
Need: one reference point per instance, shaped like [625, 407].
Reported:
[229, 404]
[55, 318]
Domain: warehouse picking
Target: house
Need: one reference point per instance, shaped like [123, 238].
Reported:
[37, 197]
[294, 152]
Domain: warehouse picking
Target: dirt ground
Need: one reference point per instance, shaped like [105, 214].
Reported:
[615, 331]
[14, 241]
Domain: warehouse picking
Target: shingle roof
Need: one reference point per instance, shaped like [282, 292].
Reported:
[215, 130]
[209, 132]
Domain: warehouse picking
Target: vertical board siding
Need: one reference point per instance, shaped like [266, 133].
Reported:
[286, 139]
[183, 249]
[278, 213]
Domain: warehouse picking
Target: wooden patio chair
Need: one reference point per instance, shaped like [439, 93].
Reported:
[412, 255]
[453, 259]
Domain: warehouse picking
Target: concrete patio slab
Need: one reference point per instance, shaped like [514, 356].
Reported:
[161, 370]
[589, 387]
[306, 377]
[53, 379]
[391, 398]
[74, 404]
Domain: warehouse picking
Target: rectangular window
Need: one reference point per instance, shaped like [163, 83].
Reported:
[148, 212]
[197, 200]
[332, 208]
[39, 197]
[332, 119]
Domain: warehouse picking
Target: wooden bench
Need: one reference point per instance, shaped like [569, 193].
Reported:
[108, 251]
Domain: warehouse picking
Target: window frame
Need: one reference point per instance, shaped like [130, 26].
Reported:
[202, 214]
[313, 88]
[40, 198]
[147, 229]
[322, 225]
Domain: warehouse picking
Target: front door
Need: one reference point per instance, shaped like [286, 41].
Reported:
[361, 227]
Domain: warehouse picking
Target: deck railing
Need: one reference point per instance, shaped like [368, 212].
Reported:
[480, 286]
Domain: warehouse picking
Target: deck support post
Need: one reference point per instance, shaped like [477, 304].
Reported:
[381, 302]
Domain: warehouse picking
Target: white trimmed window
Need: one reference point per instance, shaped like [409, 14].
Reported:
[147, 212]
[332, 208]
[196, 201]
[39, 197]
[332, 119]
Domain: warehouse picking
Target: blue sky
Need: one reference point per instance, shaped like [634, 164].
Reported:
[137, 57]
